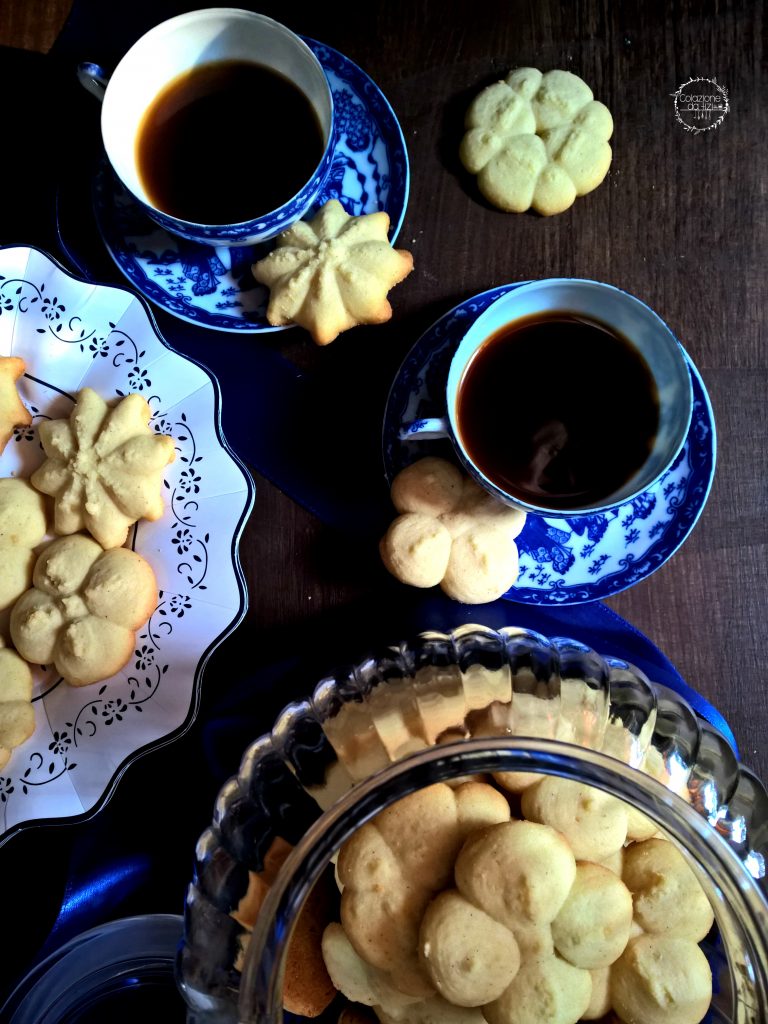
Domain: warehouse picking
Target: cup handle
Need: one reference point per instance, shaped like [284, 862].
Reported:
[425, 430]
[93, 79]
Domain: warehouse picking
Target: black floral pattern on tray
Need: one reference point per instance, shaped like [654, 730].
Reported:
[121, 356]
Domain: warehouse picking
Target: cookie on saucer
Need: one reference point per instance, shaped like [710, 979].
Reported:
[451, 532]
[332, 272]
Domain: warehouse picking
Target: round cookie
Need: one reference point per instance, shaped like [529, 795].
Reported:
[483, 565]
[537, 140]
[594, 823]
[661, 980]
[17, 716]
[84, 609]
[667, 896]
[435, 1010]
[470, 957]
[431, 486]
[356, 979]
[592, 927]
[393, 866]
[416, 549]
[22, 528]
[600, 1000]
[548, 990]
[615, 862]
[534, 940]
[639, 826]
[516, 782]
[519, 872]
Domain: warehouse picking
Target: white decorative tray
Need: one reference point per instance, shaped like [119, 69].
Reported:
[73, 334]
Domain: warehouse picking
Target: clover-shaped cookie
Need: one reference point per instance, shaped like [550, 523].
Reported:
[104, 467]
[366, 985]
[332, 272]
[451, 532]
[22, 528]
[17, 718]
[393, 866]
[661, 979]
[12, 412]
[83, 610]
[662, 976]
[537, 140]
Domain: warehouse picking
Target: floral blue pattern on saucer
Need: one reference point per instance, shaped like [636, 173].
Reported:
[213, 287]
[562, 561]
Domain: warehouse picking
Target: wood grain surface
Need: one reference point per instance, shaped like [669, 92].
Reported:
[680, 222]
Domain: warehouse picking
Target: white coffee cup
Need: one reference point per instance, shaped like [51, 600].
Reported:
[185, 42]
[622, 313]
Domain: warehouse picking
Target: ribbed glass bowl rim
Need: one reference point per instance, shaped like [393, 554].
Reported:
[262, 972]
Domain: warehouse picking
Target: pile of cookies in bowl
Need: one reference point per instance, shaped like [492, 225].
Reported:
[445, 887]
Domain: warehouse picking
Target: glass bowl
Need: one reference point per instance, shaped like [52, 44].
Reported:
[450, 704]
[116, 971]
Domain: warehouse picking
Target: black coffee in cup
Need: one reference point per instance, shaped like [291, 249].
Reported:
[558, 410]
[226, 142]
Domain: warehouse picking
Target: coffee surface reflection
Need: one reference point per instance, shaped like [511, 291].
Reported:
[558, 410]
[227, 142]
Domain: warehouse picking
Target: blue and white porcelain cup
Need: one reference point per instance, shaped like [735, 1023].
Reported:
[621, 313]
[202, 37]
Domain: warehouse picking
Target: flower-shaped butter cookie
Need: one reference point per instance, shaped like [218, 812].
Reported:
[393, 866]
[668, 898]
[661, 979]
[451, 532]
[17, 718]
[22, 528]
[332, 272]
[104, 467]
[537, 140]
[593, 822]
[83, 610]
[12, 412]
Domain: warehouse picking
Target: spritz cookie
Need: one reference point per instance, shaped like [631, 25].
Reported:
[537, 140]
[104, 467]
[332, 272]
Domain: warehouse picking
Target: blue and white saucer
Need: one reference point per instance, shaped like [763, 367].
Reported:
[214, 287]
[562, 561]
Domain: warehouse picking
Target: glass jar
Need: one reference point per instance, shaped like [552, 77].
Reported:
[451, 704]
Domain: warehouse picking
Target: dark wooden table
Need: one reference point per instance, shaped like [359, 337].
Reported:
[680, 221]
